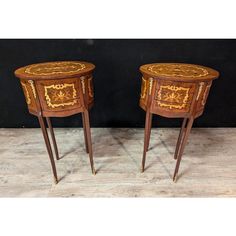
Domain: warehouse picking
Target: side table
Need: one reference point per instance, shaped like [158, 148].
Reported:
[174, 90]
[59, 89]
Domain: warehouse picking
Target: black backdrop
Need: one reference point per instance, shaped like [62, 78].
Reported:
[117, 78]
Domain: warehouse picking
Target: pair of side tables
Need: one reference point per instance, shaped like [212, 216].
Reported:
[60, 89]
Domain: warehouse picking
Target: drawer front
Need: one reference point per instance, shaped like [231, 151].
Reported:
[30, 94]
[173, 97]
[59, 95]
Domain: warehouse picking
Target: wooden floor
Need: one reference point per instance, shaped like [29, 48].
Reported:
[208, 167]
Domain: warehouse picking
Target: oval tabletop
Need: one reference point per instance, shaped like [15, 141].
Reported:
[54, 70]
[179, 72]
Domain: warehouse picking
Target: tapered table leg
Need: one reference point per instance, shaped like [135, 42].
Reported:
[88, 135]
[146, 138]
[53, 137]
[180, 138]
[182, 145]
[149, 131]
[85, 134]
[49, 149]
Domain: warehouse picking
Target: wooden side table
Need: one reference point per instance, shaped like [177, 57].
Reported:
[174, 90]
[59, 89]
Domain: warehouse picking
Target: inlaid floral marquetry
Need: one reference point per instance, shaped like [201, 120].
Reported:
[60, 95]
[31, 82]
[58, 89]
[143, 88]
[26, 93]
[55, 68]
[90, 87]
[205, 94]
[178, 70]
[178, 88]
[200, 90]
[171, 96]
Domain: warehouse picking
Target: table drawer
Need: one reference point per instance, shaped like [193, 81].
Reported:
[60, 95]
[172, 96]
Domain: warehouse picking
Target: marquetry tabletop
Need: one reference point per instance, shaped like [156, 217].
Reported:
[54, 70]
[179, 71]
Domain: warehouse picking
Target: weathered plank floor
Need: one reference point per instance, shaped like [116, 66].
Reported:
[208, 167]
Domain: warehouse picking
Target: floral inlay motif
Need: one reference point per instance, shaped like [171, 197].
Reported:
[172, 96]
[199, 90]
[204, 98]
[178, 70]
[90, 87]
[55, 68]
[144, 88]
[60, 95]
[31, 82]
[26, 93]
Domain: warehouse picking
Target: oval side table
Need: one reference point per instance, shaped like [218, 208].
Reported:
[59, 89]
[174, 90]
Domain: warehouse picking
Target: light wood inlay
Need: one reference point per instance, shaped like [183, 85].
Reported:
[178, 70]
[55, 68]
[172, 96]
[26, 93]
[143, 88]
[58, 95]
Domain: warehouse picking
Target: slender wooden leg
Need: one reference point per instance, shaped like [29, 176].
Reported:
[149, 131]
[180, 138]
[88, 134]
[53, 137]
[49, 149]
[146, 134]
[85, 134]
[182, 145]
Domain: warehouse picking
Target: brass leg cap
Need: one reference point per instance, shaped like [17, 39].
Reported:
[94, 171]
[55, 180]
[175, 178]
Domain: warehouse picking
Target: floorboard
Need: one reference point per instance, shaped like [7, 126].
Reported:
[208, 167]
